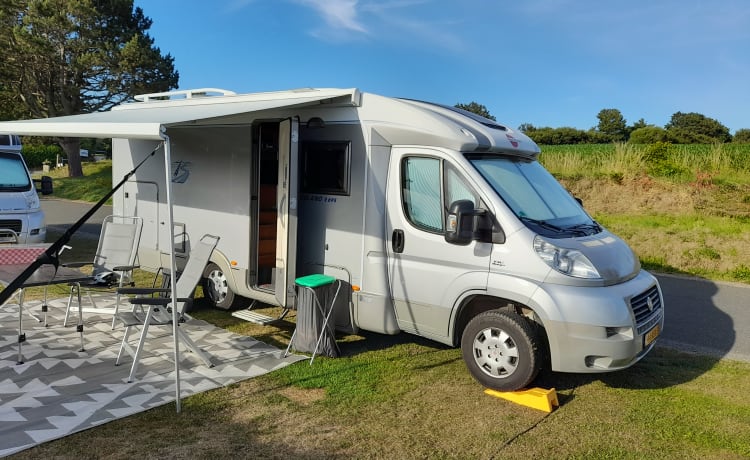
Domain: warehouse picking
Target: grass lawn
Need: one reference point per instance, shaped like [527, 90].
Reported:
[405, 397]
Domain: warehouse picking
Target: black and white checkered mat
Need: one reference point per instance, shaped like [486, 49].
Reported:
[60, 390]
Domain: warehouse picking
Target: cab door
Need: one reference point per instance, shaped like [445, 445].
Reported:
[286, 205]
[427, 275]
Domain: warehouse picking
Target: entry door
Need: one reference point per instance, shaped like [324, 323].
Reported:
[427, 275]
[286, 204]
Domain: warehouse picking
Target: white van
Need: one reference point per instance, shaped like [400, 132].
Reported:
[443, 223]
[21, 216]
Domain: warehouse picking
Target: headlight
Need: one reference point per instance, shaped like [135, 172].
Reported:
[569, 262]
[32, 201]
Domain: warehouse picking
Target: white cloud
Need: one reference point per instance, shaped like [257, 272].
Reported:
[338, 14]
[396, 22]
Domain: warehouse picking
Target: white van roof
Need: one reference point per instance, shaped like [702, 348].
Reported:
[10, 143]
[396, 121]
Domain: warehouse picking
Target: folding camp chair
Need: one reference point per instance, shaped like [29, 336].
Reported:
[157, 312]
[113, 263]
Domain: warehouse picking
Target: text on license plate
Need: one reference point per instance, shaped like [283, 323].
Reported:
[651, 335]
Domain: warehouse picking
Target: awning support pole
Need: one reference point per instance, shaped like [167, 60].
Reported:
[172, 263]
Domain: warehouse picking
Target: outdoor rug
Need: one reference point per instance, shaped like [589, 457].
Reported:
[60, 390]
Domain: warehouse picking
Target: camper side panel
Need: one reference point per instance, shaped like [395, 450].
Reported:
[210, 172]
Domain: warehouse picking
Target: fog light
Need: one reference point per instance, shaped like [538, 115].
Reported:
[620, 332]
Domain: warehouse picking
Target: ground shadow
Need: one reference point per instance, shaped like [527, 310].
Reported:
[697, 334]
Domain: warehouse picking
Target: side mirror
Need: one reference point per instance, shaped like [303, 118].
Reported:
[460, 228]
[46, 185]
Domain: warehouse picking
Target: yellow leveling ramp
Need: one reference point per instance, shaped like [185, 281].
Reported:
[536, 398]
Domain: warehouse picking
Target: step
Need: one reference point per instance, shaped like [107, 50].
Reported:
[253, 317]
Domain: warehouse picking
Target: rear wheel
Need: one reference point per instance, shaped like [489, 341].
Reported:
[216, 288]
[501, 350]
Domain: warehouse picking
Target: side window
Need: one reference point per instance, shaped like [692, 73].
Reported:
[325, 167]
[421, 192]
[456, 188]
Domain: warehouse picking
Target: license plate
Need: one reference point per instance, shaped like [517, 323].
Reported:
[651, 335]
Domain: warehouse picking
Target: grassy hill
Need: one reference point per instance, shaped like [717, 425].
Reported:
[683, 209]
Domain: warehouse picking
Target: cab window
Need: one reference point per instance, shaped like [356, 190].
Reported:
[429, 186]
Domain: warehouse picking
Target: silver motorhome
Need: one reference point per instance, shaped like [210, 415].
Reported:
[443, 222]
[21, 216]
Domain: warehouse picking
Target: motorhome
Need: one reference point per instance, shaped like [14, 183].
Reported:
[441, 223]
[21, 216]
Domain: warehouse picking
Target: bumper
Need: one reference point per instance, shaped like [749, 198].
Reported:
[601, 329]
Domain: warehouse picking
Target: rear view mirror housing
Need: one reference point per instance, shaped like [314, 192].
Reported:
[462, 225]
[44, 185]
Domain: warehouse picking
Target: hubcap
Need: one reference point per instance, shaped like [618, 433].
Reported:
[218, 286]
[495, 352]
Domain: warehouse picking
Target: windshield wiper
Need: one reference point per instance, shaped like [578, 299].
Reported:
[542, 224]
[592, 226]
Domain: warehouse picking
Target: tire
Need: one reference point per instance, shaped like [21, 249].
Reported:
[216, 288]
[501, 350]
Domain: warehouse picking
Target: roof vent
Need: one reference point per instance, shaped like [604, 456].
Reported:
[184, 94]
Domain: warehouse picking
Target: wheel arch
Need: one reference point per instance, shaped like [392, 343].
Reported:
[473, 305]
[222, 261]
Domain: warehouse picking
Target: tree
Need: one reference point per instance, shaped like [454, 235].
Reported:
[641, 123]
[648, 135]
[695, 128]
[476, 108]
[558, 136]
[612, 124]
[526, 128]
[67, 57]
[741, 136]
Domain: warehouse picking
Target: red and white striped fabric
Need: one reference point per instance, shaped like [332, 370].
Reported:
[20, 255]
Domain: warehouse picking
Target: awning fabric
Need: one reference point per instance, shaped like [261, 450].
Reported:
[144, 120]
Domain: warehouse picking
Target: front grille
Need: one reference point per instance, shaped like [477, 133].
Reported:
[11, 224]
[646, 309]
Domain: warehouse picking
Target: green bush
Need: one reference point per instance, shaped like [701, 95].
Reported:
[659, 161]
[742, 136]
[35, 155]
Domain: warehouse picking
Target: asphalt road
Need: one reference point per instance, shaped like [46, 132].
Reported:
[706, 317]
[701, 316]
[61, 214]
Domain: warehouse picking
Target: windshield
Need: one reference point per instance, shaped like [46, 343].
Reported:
[13, 176]
[535, 196]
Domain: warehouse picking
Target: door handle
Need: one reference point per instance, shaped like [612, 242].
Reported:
[397, 241]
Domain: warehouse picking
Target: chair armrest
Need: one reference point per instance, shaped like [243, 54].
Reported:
[143, 291]
[125, 268]
[75, 264]
[158, 300]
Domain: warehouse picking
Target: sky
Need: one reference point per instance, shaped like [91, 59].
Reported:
[545, 62]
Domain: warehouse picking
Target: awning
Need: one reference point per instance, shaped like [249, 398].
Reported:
[145, 120]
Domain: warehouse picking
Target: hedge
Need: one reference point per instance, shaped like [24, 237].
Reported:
[36, 154]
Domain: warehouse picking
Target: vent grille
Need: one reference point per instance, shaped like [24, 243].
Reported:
[647, 309]
[11, 224]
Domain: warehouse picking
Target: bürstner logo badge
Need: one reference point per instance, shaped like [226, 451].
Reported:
[650, 303]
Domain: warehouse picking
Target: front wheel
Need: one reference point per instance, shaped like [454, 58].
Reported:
[501, 350]
[216, 288]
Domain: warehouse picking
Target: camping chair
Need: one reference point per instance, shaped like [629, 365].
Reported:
[157, 312]
[113, 263]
